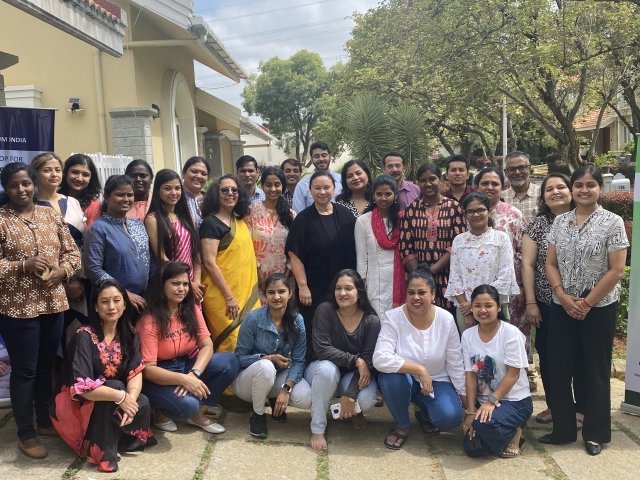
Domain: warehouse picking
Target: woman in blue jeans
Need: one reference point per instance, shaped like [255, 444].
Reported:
[419, 360]
[345, 330]
[183, 377]
[498, 397]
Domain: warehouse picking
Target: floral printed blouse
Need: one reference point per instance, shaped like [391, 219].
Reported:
[269, 238]
[510, 220]
[481, 259]
[538, 230]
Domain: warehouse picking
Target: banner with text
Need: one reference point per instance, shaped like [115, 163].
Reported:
[24, 133]
[631, 402]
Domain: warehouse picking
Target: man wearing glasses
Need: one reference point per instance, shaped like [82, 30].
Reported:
[321, 159]
[523, 193]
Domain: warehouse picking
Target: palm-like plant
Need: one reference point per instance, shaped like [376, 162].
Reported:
[369, 135]
[409, 133]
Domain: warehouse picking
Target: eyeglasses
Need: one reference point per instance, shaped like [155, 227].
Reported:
[476, 211]
[520, 168]
[229, 191]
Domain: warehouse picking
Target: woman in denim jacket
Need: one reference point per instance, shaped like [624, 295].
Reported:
[271, 349]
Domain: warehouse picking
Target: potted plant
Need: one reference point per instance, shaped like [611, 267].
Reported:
[605, 161]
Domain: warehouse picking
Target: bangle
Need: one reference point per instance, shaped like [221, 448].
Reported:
[584, 300]
[554, 288]
[124, 395]
[467, 413]
[23, 270]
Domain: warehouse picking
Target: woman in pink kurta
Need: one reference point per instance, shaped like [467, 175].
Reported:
[269, 222]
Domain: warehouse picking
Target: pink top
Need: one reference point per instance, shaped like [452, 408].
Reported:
[176, 343]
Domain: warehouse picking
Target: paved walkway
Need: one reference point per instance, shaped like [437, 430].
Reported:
[192, 454]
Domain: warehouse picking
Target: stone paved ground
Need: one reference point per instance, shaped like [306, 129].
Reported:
[193, 454]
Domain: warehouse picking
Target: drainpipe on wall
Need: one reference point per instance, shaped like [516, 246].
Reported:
[102, 123]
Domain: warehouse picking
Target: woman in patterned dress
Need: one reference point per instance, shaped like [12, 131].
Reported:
[38, 254]
[99, 408]
[172, 235]
[356, 185]
[269, 222]
[428, 228]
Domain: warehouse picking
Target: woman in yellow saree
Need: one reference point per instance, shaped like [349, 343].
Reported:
[230, 275]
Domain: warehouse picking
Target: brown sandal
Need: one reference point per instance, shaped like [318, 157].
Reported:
[512, 450]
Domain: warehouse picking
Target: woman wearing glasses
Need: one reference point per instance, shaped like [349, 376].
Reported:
[481, 255]
[229, 276]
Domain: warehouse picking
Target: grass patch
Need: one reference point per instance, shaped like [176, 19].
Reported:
[552, 469]
[71, 473]
[322, 466]
[205, 459]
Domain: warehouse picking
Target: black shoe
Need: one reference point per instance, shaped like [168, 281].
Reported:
[425, 423]
[282, 418]
[593, 448]
[258, 425]
[549, 440]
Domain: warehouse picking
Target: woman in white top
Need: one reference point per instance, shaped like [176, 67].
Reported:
[481, 255]
[419, 360]
[377, 234]
[498, 397]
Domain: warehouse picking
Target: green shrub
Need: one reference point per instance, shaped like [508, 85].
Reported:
[620, 203]
[622, 315]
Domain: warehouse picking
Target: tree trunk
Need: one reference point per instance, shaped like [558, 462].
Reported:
[596, 133]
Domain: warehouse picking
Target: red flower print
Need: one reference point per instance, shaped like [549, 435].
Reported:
[110, 371]
[95, 454]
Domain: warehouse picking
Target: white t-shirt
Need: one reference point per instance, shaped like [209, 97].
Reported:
[437, 347]
[489, 360]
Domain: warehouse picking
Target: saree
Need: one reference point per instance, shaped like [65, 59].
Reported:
[237, 262]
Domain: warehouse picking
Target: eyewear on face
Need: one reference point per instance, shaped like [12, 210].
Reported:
[474, 212]
[229, 191]
[520, 168]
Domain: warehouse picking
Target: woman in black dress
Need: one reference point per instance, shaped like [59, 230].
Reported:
[319, 245]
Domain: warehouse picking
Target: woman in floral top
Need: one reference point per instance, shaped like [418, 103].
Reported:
[482, 255]
[269, 222]
[99, 404]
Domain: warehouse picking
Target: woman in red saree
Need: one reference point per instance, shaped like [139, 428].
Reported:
[99, 408]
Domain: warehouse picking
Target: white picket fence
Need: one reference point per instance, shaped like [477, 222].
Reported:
[108, 165]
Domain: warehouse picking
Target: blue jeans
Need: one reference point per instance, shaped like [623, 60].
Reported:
[400, 389]
[217, 375]
[32, 344]
[494, 434]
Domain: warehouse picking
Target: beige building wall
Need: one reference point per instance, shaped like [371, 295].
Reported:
[63, 67]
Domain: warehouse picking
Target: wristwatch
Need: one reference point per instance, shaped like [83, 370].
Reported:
[286, 387]
[492, 399]
[196, 372]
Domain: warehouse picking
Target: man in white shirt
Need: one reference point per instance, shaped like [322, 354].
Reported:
[321, 159]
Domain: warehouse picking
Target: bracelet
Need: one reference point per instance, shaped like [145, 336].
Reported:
[124, 395]
[467, 413]
[584, 300]
[23, 270]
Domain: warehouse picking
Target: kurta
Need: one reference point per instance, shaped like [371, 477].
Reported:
[375, 265]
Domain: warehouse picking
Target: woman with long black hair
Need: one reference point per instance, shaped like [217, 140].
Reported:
[356, 187]
[271, 350]
[377, 236]
[80, 180]
[172, 235]
[269, 222]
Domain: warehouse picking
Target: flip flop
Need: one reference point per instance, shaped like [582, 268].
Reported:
[396, 444]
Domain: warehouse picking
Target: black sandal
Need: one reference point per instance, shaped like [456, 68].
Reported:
[425, 424]
[396, 444]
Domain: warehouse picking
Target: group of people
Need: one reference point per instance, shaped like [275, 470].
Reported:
[152, 298]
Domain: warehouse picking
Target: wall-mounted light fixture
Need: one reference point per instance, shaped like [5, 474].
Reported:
[157, 109]
[74, 106]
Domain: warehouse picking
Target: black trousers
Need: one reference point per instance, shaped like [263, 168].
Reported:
[566, 336]
[542, 347]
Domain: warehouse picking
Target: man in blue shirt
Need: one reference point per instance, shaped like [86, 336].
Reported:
[247, 171]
